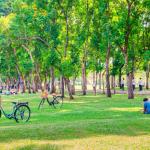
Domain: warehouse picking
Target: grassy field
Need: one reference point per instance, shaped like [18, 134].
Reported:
[86, 123]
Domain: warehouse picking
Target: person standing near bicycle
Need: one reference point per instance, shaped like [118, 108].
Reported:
[44, 96]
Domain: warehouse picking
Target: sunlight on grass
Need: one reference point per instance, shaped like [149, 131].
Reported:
[74, 102]
[64, 110]
[92, 143]
[86, 123]
[135, 109]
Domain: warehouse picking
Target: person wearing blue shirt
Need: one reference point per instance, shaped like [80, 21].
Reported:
[146, 106]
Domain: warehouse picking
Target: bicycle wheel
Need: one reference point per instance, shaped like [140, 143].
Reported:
[22, 113]
[58, 102]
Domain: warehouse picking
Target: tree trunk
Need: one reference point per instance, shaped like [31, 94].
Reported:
[35, 83]
[29, 86]
[84, 81]
[8, 84]
[94, 82]
[23, 85]
[108, 93]
[69, 88]
[103, 83]
[45, 81]
[114, 84]
[53, 89]
[73, 86]
[130, 87]
[129, 79]
[33, 87]
[96, 78]
[67, 34]
[34, 63]
[128, 30]
[62, 86]
[39, 81]
[29, 89]
[19, 71]
[120, 75]
[59, 85]
[100, 80]
[147, 76]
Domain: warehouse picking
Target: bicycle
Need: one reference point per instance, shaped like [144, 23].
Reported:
[56, 102]
[20, 113]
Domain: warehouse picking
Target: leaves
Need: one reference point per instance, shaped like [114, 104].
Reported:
[84, 29]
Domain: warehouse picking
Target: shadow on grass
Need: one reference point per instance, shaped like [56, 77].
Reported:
[95, 118]
[41, 147]
[121, 123]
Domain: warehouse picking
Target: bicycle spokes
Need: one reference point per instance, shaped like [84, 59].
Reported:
[22, 113]
[58, 102]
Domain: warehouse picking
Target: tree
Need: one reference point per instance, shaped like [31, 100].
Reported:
[129, 17]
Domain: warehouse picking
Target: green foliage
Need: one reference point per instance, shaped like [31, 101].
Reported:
[5, 7]
[147, 55]
[66, 68]
[53, 59]
[38, 32]
[118, 62]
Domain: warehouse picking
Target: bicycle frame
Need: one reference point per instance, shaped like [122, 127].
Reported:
[16, 109]
[50, 102]
[10, 116]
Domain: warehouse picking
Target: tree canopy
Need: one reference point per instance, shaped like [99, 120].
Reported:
[41, 41]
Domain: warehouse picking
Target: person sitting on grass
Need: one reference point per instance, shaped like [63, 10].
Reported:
[13, 91]
[146, 106]
[7, 92]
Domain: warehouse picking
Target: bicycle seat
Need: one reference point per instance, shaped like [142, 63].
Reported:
[23, 103]
[14, 103]
[20, 103]
[59, 96]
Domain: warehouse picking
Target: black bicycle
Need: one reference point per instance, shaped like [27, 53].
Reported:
[56, 102]
[21, 112]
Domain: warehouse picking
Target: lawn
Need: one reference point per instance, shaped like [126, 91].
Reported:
[86, 123]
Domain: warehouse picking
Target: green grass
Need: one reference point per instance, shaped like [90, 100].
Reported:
[86, 123]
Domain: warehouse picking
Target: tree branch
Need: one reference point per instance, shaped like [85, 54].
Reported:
[34, 38]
